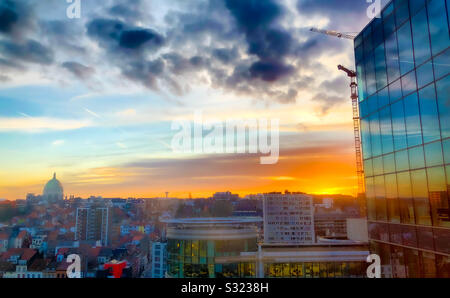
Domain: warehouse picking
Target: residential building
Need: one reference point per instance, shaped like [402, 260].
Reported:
[159, 259]
[93, 222]
[4, 242]
[39, 242]
[330, 224]
[288, 218]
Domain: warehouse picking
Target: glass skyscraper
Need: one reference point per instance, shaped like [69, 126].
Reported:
[403, 63]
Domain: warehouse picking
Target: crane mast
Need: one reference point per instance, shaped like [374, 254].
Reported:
[356, 126]
[356, 119]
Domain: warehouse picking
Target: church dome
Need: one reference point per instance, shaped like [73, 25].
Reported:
[53, 190]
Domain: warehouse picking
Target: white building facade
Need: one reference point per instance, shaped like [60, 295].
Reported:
[159, 259]
[288, 218]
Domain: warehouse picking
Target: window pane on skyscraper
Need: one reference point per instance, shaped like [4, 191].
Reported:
[438, 26]
[392, 198]
[441, 240]
[412, 120]
[383, 97]
[401, 160]
[433, 154]
[425, 238]
[398, 126]
[405, 48]
[443, 266]
[375, 134]
[368, 169]
[441, 64]
[392, 59]
[405, 196]
[446, 148]
[429, 114]
[438, 195]
[389, 25]
[380, 198]
[378, 166]
[421, 39]
[389, 163]
[443, 98]
[412, 263]
[416, 158]
[398, 262]
[428, 262]
[420, 194]
[416, 5]
[409, 83]
[365, 136]
[380, 66]
[370, 74]
[424, 74]
[386, 130]
[395, 91]
[370, 197]
[361, 81]
[401, 12]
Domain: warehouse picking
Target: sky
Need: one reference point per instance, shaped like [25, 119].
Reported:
[94, 99]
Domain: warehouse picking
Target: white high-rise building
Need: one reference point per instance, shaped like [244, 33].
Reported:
[288, 218]
[159, 259]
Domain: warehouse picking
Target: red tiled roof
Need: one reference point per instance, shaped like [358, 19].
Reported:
[138, 237]
[95, 251]
[22, 234]
[53, 235]
[25, 253]
[63, 265]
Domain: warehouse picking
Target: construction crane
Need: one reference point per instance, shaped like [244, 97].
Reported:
[356, 119]
[333, 33]
[356, 126]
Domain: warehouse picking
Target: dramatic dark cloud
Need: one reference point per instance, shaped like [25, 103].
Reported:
[134, 39]
[256, 19]
[78, 69]
[339, 85]
[8, 63]
[63, 34]
[118, 36]
[125, 11]
[8, 16]
[30, 51]
[270, 70]
[145, 72]
[225, 55]
[16, 17]
[327, 101]
[131, 11]
[126, 47]
[243, 47]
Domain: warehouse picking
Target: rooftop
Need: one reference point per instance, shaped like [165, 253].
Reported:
[214, 220]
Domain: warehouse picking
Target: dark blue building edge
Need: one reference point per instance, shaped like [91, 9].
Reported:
[403, 63]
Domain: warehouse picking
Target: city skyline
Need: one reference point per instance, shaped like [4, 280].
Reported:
[93, 98]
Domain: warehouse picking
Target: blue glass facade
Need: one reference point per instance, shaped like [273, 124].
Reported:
[403, 63]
